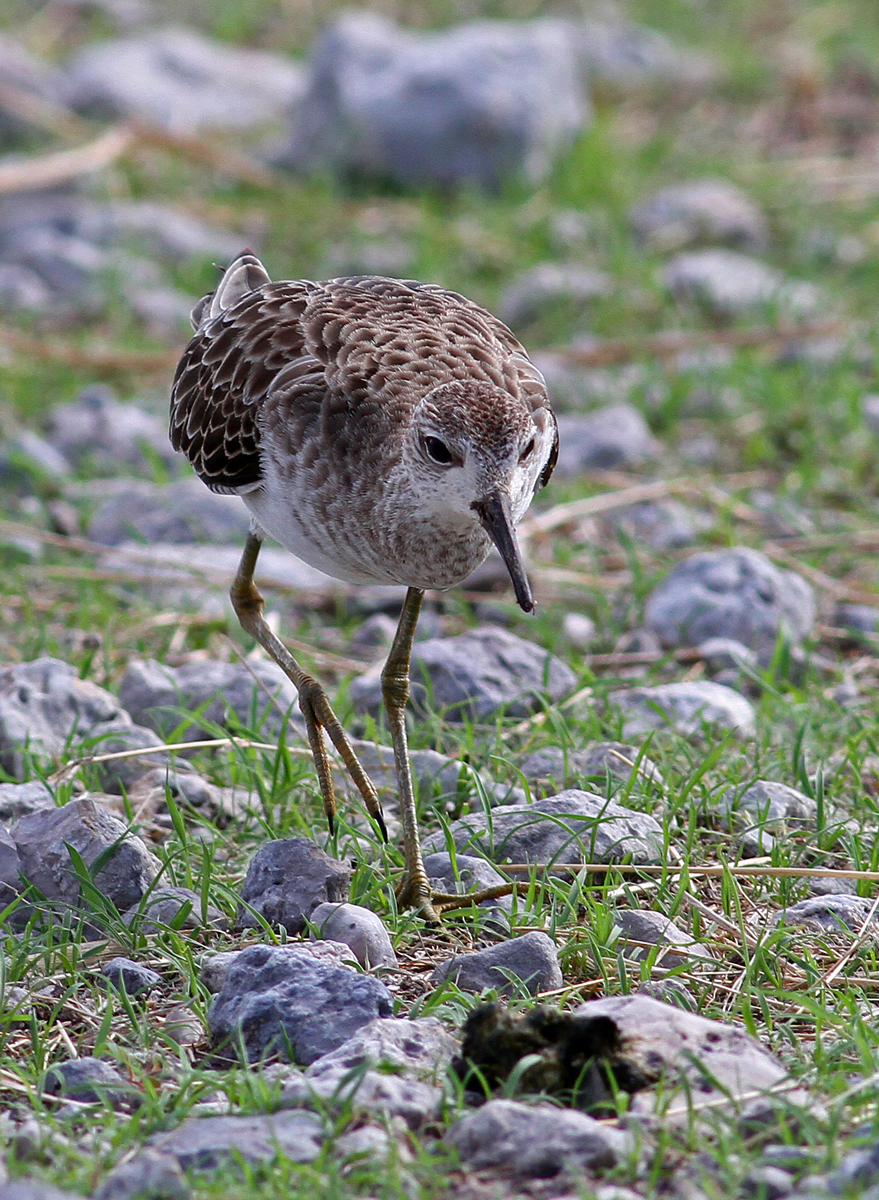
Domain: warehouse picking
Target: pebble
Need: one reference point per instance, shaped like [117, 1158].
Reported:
[215, 967]
[466, 873]
[131, 977]
[476, 675]
[10, 869]
[279, 1000]
[413, 107]
[415, 1047]
[182, 513]
[544, 287]
[148, 1175]
[108, 437]
[359, 929]
[769, 806]
[210, 1143]
[183, 1026]
[626, 58]
[286, 881]
[737, 593]
[536, 1143]
[43, 838]
[181, 81]
[858, 618]
[91, 1080]
[257, 696]
[601, 760]
[730, 284]
[686, 708]
[611, 438]
[572, 826]
[374, 1092]
[833, 912]
[699, 212]
[175, 908]
[644, 925]
[579, 631]
[35, 1189]
[527, 964]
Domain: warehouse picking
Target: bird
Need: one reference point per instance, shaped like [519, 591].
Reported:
[385, 431]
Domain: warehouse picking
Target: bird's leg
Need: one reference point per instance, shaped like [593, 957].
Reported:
[414, 891]
[319, 716]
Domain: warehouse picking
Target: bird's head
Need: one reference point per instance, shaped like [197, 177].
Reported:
[480, 454]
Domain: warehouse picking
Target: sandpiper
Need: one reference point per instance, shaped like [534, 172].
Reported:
[383, 430]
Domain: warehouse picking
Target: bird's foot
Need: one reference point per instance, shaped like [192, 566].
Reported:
[414, 891]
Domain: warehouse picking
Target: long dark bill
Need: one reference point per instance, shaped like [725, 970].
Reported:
[496, 519]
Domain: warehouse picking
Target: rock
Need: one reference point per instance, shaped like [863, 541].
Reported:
[257, 696]
[183, 1026]
[208, 1143]
[537, 1142]
[870, 411]
[215, 967]
[149, 1175]
[548, 285]
[529, 963]
[652, 928]
[122, 774]
[766, 1183]
[671, 991]
[131, 977]
[579, 630]
[91, 1080]
[625, 58]
[687, 708]
[767, 806]
[858, 618]
[358, 928]
[365, 1091]
[468, 874]
[858, 1170]
[278, 1000]
[662, 525]
[35, 79]
[181, 81]
[417, 1048]
[99, 432]
[833, 913]
[194, 795]
[286, 881]
[713, 1064]
[697, 213]
[10, 869]
[44, 836]
[476, 675]
[730, 284]
[437, 778]
[572, 826]
[157, 230]
[600, 761]
[606, 439]
[737, 593]
[729, 662]
[28, 460]
[179, 513]
[34, 1189]
[175, 908]
[163, 310]
[469, 105]
[42, 704]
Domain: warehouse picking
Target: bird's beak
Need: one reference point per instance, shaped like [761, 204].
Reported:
[494, 516]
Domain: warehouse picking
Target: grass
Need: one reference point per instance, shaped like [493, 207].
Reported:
[792, 454]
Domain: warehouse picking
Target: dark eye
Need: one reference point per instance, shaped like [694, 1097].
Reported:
[438, 450]
[527, 452]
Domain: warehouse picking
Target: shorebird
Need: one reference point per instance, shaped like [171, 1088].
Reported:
[384, 431]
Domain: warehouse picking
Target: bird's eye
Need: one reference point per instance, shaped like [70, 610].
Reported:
[438, 450]
[527, 452]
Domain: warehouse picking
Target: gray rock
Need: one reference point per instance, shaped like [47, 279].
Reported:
[579, 630]
[662, 525]
[644, 925]
[469, 105]
[22, 288]
[157, 230]
[476, 675]
[90, 1080]
[207, 1143]
[727, 659]
[769, 806]
[359, 929]
[469, 874]
[606, 439]
[437, 778]
[31, 75]
[44, 836]
[687, 708]
[215, 967]
[626, 58]
[129, 976]
[537, 1142]
[287, 880]
[767, 1183]
[365, 1091]
[257, 695]
[280, 1001]
[99, 432]
[10, 868]
[182, 81]
[177, 907]
[179, 513]
[730, 283]
[858, 1170]
[43, 703]
[193, 794]
[544, 287]
[870, 411]
[671, 991]
[834, 913]
[737, 593]
[27, 460]
[572, 826]
[598, 761]
[163, 310]
[420, 1048]
[859, 618]
[698, 213]
[112, 737]
[149, 1175]
[183, 1026]
[34, 1189]
[710, 1062]
[529, 963]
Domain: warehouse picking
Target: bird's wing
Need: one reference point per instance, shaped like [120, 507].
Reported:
[238, 357]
